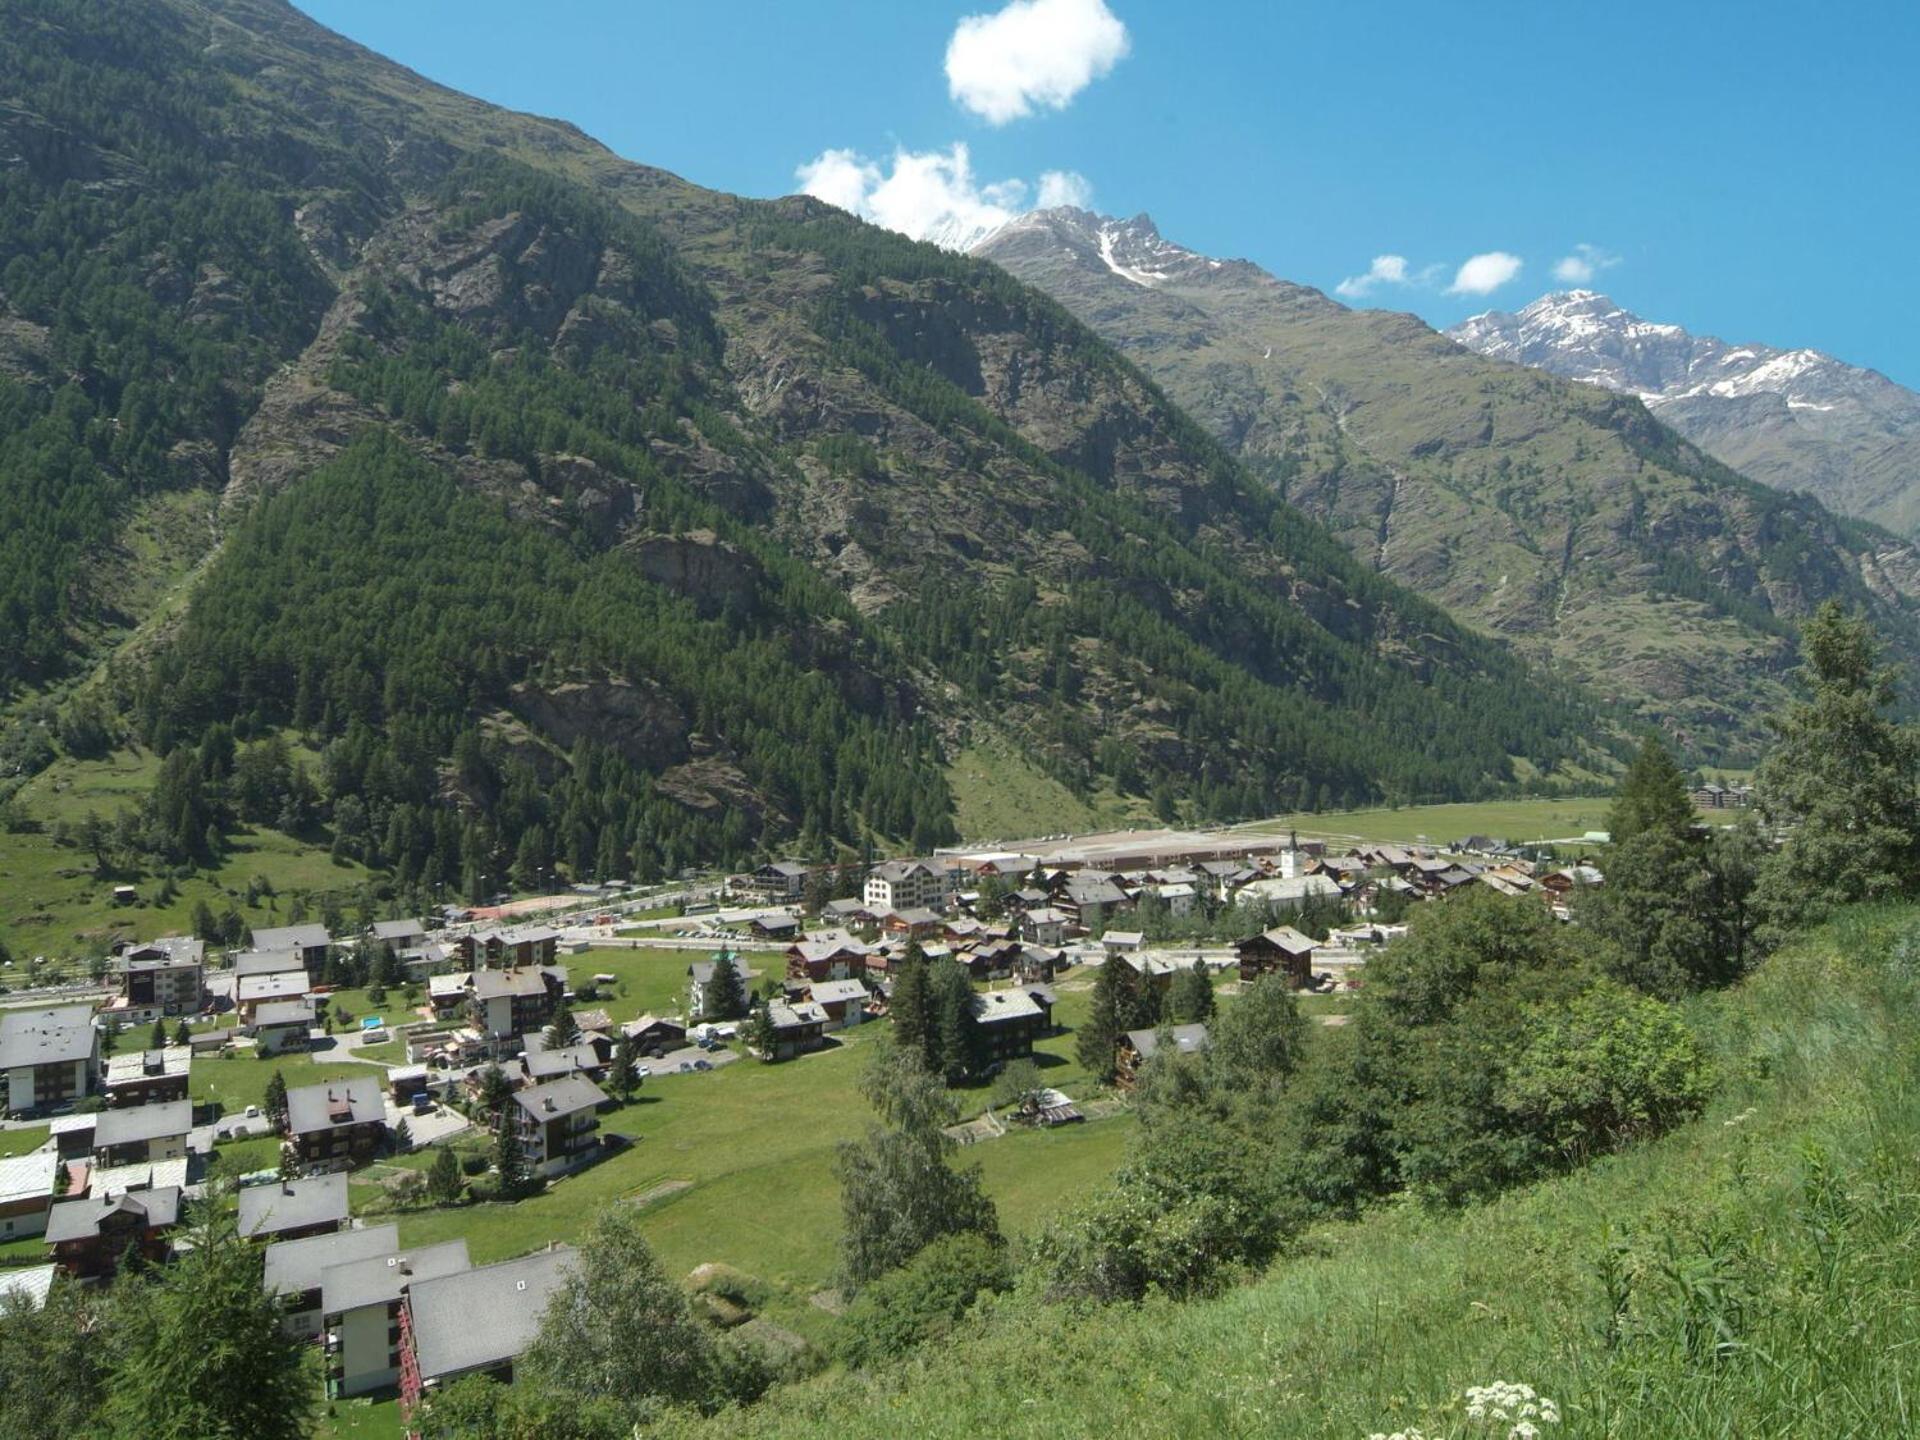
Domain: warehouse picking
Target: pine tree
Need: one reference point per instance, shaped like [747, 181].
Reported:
[110, 1038]
[509, 1164]
[444, 1181]
[496, 1091]
[761, 1038]
[1652, 796]
[725, 994]
[1841, 777]
[182, 1034]
[625, 1075]
[274, 1101]
[910, 1005]
[157, 1039]
[1190, 998]
[953, 1044]
[1115, 997]
[564, 1029]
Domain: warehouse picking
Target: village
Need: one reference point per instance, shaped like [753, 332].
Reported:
[491, 1044]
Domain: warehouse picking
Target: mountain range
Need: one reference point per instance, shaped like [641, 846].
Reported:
[629, 522]
[1793, 419]
[1563, 517]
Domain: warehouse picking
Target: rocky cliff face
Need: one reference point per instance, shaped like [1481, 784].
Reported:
[1793, 419]
[1562, 516]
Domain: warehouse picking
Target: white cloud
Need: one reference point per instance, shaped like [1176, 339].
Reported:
[1064, 187]
[1484, 274]
[1583, 264]
[1032, 54]
[1385, 270]
[931, 194]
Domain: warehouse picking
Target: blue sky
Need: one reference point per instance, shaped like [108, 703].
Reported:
[1752, 170]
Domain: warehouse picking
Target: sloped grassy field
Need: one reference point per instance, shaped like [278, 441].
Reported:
[1752, 1275]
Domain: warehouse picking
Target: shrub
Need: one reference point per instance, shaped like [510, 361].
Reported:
[924, 1300]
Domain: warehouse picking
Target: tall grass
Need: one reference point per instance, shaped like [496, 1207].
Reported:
[1750, 1276]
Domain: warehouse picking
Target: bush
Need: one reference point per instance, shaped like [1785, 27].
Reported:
[471, 1165]
[922, 1301]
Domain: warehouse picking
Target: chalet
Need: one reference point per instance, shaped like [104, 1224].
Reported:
[147, 1077]
[773, 925]
[654, 1035]
[1048, 1108]
[423, 962]
[1091, 896]
[1178, 898]
[294, 1209]
[779, 882]
[1118, 942]
[26, 1193]
[506, 1004]
[994, 960]
[250, 992]
[557, 1124]
[90, 1235]
[843, 1001]
[1044, 925]
[909, 885]
[401, 935]
[1008, 1022]
[516, 947]
[476, 1322]
[1028, 899]
[49, 1057]
[1155, 970]
[283, 1025]
[161, 977]
[308, 944]
[1139, 1046]
[134, 1134]
[293, 1271]
[836, 956]
[852, 914]
[1282, 892]
[796, 1028]
[1561, 883]
[338, 1124]
[360, 1313]
[540, 1062]
[449, 994]
[911, 924]
[1284, 950]
[210, 1042]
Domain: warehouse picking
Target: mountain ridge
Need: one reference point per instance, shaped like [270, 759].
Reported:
[1563, 517]
[1796, 419]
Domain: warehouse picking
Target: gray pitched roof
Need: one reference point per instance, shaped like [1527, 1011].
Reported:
[481, 1317]
[500, 984]
[265, 962]
[59, 1034]
[284, 1012]
[379, 1279]
[293, 1204]
[133, 1123]
[567, 1096]
[293, 1266]
[81, 1219]
[396, 930]
[997, 1006]
[292, 937]
[1186, 1040]
[313, 1107]
[30, 1285]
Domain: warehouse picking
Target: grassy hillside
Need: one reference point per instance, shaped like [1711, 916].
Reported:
[1753, 1275]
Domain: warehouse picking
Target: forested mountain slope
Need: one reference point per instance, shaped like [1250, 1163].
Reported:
[657, 522]
[1559, 515]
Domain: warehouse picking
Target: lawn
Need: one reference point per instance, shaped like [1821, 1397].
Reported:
[1518, 821]
[241, 1080]
[360, 1419]
[19, 1142]
[736, 1166]
[55, 904]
